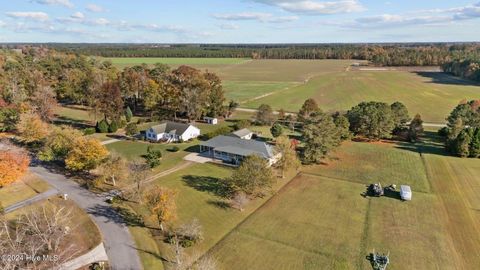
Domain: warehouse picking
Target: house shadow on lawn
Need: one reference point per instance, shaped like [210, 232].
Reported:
[445, 78]
[212, 185]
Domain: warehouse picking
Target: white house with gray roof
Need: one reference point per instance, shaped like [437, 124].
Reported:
[234, 149]
[172, 132]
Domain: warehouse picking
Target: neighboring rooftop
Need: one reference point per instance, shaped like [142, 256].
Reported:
[238, 146]
[242, 132]
[170, 127]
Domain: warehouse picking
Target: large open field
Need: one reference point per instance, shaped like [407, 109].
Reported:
[321, 221]
[287, 83]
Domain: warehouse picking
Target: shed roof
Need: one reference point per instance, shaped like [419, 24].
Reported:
[242, 132]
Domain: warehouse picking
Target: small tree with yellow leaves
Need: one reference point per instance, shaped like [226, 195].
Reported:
[160, 201]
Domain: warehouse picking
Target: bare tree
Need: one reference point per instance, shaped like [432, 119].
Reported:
[239, 200]
[139, 171]
[39, 239]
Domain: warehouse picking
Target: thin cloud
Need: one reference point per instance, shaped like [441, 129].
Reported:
[65, 3]
[32, 15]
[310, 7]
[254, 16]
[95, 8]
[229, 26]
[433, 17]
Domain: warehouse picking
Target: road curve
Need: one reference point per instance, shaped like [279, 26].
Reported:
[119, 244]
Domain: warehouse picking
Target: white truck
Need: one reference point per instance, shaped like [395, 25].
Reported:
[406, 193]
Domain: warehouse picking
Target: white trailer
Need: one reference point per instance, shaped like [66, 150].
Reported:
[406, 193]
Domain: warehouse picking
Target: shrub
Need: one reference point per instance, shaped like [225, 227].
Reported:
[102, 126]
[243, 123]
[113, 127]
[220, 131]
[122, 123]
[175, 149]
[153, 157]
[443, 132]
[131, 129]
[88, 131]
[276, 130]
[128, 114]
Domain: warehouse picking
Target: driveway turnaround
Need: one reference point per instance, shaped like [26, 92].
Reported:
[119, 244]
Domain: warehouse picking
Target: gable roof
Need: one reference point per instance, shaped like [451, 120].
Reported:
[240, 147]
[242, 132]
[170, 127]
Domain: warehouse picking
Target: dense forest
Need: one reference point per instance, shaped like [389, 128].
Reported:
[415, 54]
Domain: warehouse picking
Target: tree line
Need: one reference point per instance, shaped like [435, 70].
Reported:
[462, 134]
[415, 54]
[468, 69]
[37, 78]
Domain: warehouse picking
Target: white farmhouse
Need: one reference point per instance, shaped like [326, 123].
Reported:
[172, 132]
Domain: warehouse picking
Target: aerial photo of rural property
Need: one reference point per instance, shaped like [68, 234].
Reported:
[239, 135]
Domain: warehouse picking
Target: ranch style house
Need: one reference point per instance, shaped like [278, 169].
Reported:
[231, 149]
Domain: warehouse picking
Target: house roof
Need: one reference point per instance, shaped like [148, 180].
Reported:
[170, 127]
[242, 132]
[240, 147]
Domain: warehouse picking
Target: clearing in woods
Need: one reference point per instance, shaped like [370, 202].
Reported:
[320, 219]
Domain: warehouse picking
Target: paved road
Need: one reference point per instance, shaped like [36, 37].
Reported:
[119, 244]
[27, 202]
[276, 112]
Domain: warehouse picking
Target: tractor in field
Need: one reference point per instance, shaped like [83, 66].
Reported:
[379, 261]
[375, 190]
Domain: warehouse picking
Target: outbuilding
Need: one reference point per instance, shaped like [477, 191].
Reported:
[406, 193]
[211, 120]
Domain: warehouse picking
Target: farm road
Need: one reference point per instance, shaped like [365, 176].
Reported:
[425, 124]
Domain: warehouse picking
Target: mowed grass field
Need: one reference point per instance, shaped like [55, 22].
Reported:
[200, 63]
[431, 96]
[320, 220]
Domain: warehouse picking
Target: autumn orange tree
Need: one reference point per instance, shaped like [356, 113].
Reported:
[13, 165]
[86, 154]
[160, 201]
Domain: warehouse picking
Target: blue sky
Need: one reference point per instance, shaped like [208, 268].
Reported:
[239, 21]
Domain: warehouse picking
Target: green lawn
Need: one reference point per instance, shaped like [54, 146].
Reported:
[200, 196]
[243, 91]
[367, 163]
[433, 98]
[175, 61]
[319, 222]
[76, 114]
[29, 186]
[313, 223]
